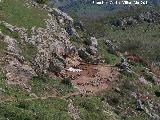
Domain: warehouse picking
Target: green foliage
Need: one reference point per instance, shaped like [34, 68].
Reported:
[149, 78]
[3, 48]
[141, 39]
[16, 91]
[157, 93]
[41, 1]
[28, 51]
[91, 108]
[6, 31]
[47, 86]
[105, 55]
[74, 39]
[49, 109]
[66, 81]
[2, 78]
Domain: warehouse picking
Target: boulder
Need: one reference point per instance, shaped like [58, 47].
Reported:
[92, 46]
[152, 115]
[58, 12]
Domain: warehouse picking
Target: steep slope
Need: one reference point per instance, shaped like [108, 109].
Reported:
[36, 54]
[52, 68]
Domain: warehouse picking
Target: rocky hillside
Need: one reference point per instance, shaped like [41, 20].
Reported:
[88, 9]
[51, 67]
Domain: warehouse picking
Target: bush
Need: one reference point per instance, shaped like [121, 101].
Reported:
[115, 100]
[41, 1]
[149, 78]
[157, 93]
[23, 105]
[66, 81]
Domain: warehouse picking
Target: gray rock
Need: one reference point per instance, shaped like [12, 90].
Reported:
[111, 47]
[79, 24]
[56, 66]
[69, 29]
[71, 50]
[139, 105]
[58, 12]
[92, 50]
[153, 116]
[93, 42]
[17, 73]
[118, 23]
[117, 89]
[12, 45]
[131, 21]
[84, 55]
[143, 81]
[73, 111]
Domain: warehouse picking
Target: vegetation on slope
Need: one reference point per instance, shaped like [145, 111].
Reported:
[17, 13]
[17, 104]
[142, 38]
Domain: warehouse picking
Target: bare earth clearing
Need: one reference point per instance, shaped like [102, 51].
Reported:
[93, 78]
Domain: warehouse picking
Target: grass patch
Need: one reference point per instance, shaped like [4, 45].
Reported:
[14, 91]
[92, 108]
[49, 109]
[142, 39]
[45, 86]
[6, 31]
[3, 48]
[108, 57]
[16, 13]
[28, 51]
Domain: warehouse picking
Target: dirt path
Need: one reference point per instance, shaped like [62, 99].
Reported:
[11, 99]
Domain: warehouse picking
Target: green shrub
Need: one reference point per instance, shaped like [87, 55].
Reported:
[115, 100]
[41, 1]
[66, 81]
[157, 93]
[23, 105]
[149, 78]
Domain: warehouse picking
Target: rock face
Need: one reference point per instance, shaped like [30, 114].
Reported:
[51, 42]
[55, 52]
[84, 55]
[92, 48]
[12, 45]
[18, 73]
